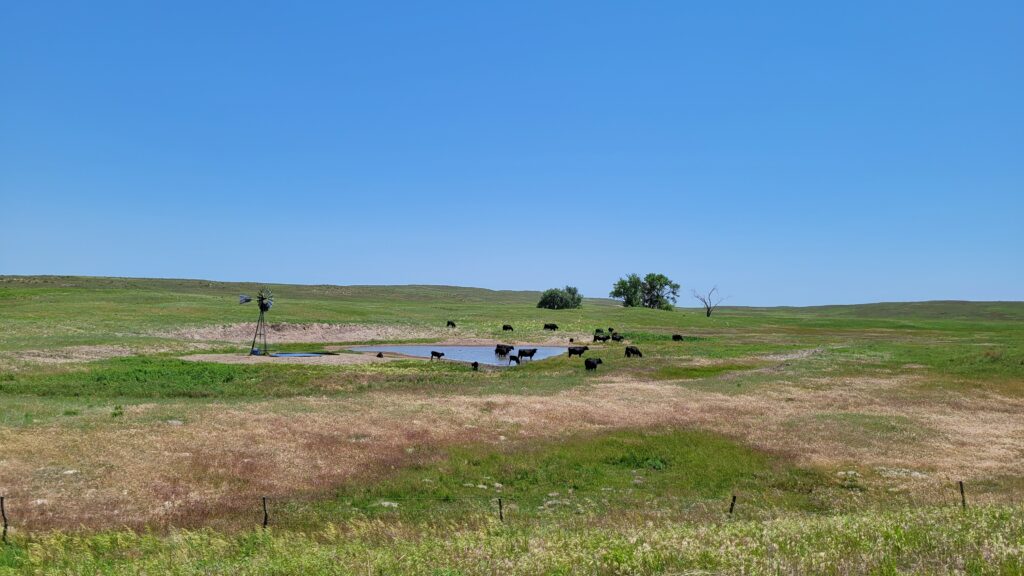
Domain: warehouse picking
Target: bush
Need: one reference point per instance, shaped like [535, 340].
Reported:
[561, 298]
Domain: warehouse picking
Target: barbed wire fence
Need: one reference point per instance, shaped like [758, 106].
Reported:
[274, 512]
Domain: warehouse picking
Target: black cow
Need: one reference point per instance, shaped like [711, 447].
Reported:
[476, 366]
[380, 354]
[599, 331]
[551, 326]
[617, 337]
[525, 353]
[503, 349]
[571, 340]
[507, 327]
[591, 363]
[578, 351]
[677, 338]
[601, 337]
[450, 324]
[633, 351]
[436, 354]
[610, 329]
[513, 358]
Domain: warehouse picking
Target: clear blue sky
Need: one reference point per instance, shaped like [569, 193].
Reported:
[792, 153]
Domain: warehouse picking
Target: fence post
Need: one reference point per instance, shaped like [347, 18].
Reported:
[732, 504]
[963, 497]
[266, 516]
[3, 514]
[501, 510]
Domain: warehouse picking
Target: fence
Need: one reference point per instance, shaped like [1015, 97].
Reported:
[500, 506]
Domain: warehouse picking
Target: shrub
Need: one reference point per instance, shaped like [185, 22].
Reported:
[561, 298]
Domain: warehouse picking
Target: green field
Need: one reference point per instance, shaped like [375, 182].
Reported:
[136, 438]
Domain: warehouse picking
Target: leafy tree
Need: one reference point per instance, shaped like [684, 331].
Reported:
[630, 289]
[561, 298]
[660, 292]
[651, 291]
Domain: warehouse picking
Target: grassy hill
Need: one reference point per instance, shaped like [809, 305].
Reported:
[842, 430]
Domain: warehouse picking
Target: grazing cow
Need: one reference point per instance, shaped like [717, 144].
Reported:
[601, 337]
[503, 349]
[380, 354]
[677, 338]
[617, 337]
[551, 326]
[507, 327]
[476, 366]
[513, 358]
[578, 351]
[436, 354]
[591, 363]
[525, 353]
[599, 331]
[451, 324]
[633, 351]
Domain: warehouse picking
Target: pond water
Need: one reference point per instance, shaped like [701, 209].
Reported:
[481, 354]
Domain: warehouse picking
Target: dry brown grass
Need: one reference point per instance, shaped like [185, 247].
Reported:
[210, 469]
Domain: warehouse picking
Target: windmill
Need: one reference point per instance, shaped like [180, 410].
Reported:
[264, 299]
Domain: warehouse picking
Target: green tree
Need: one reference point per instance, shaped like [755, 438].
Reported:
[561, 298]
[651, 291]
[630, 289]
[660, 292]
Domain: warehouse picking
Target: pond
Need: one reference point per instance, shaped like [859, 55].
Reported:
[481, 354]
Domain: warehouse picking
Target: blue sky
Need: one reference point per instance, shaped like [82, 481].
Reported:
[789, 152]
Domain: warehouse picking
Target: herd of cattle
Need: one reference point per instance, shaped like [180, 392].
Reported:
[505, 350]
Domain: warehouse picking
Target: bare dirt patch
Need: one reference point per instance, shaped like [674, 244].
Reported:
[327, 360]
[74, 354]
[296, 333]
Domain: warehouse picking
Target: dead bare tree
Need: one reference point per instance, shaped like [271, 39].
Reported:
[709, 300]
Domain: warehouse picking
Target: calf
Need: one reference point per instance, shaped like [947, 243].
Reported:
[617, 337]
[512, 359]
[599, 331]
[525, 353]
[503, 349]
[610, 329]
[601, 337]
[633, 351]
[551, 326]
[507, 327]
[436, 354]
[577, 351]
[591, 363]
[476, 366]
[451, 324]
[677, 338]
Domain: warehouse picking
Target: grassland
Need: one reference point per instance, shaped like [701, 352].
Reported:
[842, 431]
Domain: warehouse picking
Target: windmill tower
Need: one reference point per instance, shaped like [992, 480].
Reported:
[264, 299]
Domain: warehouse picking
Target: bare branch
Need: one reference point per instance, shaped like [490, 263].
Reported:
[709, 300]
